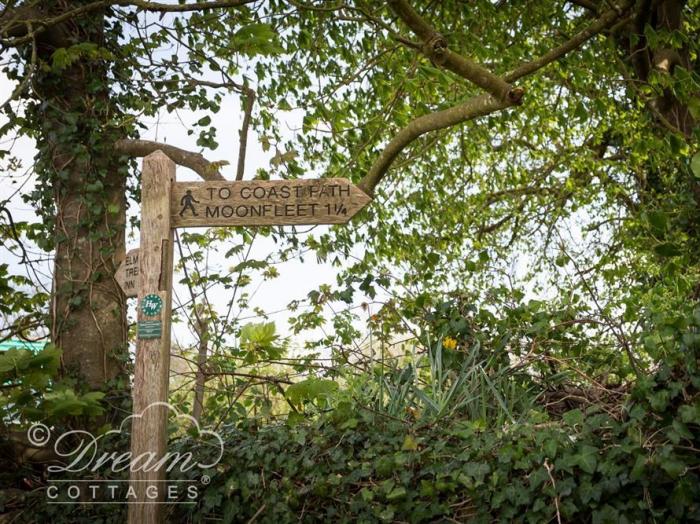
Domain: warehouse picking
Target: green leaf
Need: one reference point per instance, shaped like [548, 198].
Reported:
[682, 430]
[674, 467]
[573, 417]
[295, 418]
[658, 221]
[398, 492]
[667, 249]
[409, 443]
[695, 165]
[310, 389]
[587, 458]
[690, 414]
[433, 258]
[638, 468]
[257, 39]
[550, 448]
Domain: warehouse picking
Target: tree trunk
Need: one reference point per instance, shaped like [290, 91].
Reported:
[665, 16]
[77, 162]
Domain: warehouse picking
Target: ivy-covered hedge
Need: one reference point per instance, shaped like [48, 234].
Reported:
[355, 465]
[594, 470]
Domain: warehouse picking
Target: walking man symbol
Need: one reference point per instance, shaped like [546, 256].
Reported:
[186, 203]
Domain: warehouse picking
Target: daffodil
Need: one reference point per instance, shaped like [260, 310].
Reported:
[449, 343]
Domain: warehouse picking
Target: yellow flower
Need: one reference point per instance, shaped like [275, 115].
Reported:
[449, 343]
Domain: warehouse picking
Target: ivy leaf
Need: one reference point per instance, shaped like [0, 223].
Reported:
[573, 417]
[396, 493]
[675, 468]
[695, 165]
[658, 221]
[310, 389]
[667, 249]
[587, 459]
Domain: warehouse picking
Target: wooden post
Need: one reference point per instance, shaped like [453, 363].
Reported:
[166, 205]
[149, 426]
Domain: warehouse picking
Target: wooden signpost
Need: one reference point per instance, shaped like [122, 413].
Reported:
[265, 202]
[152, 366]
[147, 273]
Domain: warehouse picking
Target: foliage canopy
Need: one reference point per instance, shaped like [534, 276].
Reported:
[527, 274]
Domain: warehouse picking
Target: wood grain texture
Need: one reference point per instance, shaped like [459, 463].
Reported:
[265, 202]
[127, 274]
[149, 427]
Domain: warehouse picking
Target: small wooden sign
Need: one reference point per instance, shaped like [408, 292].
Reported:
[128, 273]
[265, 202]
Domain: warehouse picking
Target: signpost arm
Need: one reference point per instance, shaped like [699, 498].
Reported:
[149, 424]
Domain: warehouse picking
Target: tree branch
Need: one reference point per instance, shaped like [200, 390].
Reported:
[600, 24]
[474, 107]
[29, 73]
[435, 48]
[265, 378]
[478, 105]
[586, 4]
[17, 20]
[230, 84]
[180, 8]
[195, 161]
[248, 108]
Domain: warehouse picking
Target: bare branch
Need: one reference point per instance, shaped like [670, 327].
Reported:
[180, 8]
[13, 20]
[322, 9]
[230, 84]
[248, 105]
[195, 161]
[13, 28]
[22, 86]
[264, 378]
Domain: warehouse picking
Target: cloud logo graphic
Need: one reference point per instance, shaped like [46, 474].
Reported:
[178, 416]
[84, 455]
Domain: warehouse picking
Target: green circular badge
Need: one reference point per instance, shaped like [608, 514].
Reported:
[151, 305]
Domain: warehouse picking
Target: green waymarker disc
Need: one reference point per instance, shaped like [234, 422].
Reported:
[151, 305]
